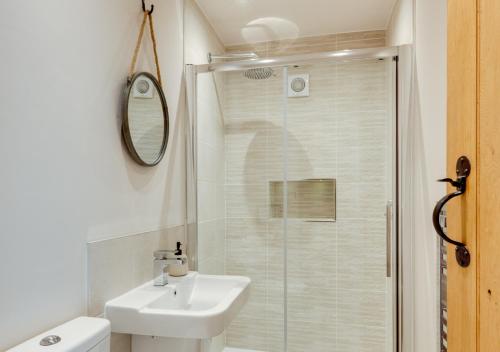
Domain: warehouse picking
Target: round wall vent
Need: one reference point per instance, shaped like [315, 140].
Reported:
[298, 85]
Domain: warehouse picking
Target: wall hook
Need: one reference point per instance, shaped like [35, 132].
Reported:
[150, 10]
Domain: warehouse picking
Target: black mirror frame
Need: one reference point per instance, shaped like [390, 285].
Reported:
[125, 122]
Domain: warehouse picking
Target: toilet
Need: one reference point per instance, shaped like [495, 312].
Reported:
[83, 334]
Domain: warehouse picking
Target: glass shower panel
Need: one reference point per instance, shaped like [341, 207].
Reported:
[339, 130]
[240, 151]
[211, 219]
[295, 178]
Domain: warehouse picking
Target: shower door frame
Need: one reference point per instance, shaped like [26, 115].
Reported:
[191, 73]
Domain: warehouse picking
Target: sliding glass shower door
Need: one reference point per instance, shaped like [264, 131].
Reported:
[340, 172]
[295, 184]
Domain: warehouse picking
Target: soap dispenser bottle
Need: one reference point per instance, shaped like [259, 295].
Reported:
[179, 269]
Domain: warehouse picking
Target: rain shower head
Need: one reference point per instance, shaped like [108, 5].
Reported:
[259, 73]
[253, 73]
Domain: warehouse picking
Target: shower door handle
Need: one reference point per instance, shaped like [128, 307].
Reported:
[463, 170]
[388, 239]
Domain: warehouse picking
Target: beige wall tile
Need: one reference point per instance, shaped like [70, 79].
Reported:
[360, 200]
[359, 44]
[360, 338]
[207, 202]
[361, 255]
[311, 336]
[120, 343]
[247, 201]
[207, 234]
[337, 132]
[321, 43]
[211, 149]
[362, 308]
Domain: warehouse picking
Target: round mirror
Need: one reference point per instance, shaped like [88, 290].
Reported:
[145, 120]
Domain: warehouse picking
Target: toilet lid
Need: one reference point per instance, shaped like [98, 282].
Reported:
[77, 335]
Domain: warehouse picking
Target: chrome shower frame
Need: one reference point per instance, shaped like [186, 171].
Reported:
[232, 56]
[191, 73]
[328, 56]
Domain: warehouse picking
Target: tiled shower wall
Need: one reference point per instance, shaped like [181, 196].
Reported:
[304, 45]
[211, 170]
[336, 270]
[200, 38]
[254, 247]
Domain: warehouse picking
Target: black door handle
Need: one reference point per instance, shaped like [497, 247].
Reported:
[463, 170]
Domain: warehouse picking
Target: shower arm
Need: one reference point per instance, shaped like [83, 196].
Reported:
[238, 56]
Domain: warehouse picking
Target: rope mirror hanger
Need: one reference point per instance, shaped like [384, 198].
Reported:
[148, 15]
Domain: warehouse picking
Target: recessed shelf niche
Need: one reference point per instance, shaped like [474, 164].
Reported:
[309, 199]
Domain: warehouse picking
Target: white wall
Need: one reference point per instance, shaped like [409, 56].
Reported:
[65, 176]
[430, 163]
[200, 39]
[427, 135]
[400, 27]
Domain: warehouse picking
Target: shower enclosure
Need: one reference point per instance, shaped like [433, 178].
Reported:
[292, 181]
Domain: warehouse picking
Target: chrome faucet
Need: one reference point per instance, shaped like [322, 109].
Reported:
[162, 259]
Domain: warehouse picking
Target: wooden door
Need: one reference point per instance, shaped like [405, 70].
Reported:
[474, 131]
[488, 196]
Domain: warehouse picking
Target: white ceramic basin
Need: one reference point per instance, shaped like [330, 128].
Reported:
[193, 306]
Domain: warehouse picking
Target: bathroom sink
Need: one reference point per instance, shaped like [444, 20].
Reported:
[194, 306]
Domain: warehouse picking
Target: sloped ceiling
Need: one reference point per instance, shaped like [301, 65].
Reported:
[244, 21]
